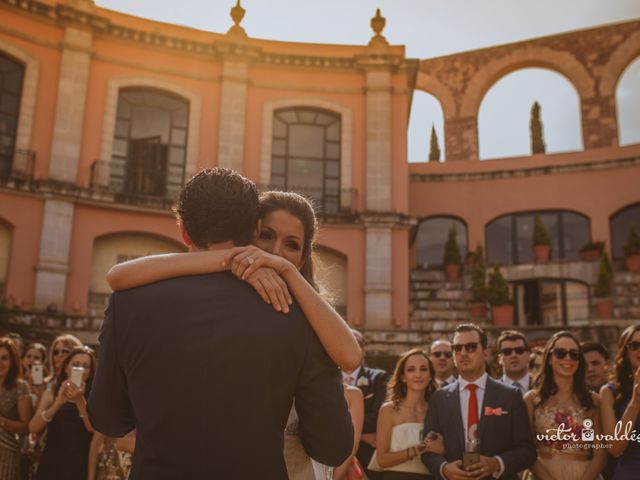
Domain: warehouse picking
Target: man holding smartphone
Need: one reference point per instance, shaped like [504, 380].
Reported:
[205, 371]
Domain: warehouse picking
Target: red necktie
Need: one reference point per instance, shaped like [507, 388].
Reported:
[472, 417]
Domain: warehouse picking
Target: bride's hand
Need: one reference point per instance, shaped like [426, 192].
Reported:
[243, 261]
[271, 288]
[435, 445]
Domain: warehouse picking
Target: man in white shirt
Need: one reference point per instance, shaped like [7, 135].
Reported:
[442, 358]
[513, 355]
[481, 413]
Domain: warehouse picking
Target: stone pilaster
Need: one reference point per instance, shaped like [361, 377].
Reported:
[70, 104]
[378, 286]
[233, 100]
[53, 263]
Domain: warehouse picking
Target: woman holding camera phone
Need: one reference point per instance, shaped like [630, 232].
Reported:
[15, 409]
[561, 397]
[63, 411]
[281, 261]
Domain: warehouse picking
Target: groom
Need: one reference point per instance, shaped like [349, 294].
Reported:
[479, 408]
[205, 371]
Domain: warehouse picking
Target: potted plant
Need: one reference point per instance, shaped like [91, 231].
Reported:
[591, 251]
[479, 285]
[452, 260]
[498, 296]
[603, 287]
[541, 241]
[632, 249]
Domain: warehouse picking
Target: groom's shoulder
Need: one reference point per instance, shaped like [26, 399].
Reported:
[181, 286]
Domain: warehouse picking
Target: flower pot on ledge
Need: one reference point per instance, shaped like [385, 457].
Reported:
[604, 308]
[453, 271]
[632, 262]
[542, 253]
[479, 310]
[502, 315]
[591, 255]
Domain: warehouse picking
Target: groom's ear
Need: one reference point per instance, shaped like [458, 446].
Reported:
[186, 239]
[256, 232]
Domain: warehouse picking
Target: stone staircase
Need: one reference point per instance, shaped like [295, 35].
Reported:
[626, 295]
[438, 304]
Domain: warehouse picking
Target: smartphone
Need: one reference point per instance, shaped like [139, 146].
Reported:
[37, 374]
[76, 375]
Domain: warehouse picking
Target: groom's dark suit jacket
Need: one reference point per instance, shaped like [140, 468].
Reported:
[507, 436]
[206, 372]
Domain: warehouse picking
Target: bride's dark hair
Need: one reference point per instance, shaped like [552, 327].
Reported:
[302, 209]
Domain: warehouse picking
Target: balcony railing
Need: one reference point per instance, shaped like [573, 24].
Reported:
[17, 169]
[153, 188]
[343, 201]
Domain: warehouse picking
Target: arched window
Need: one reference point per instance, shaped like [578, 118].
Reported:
[620, 223]
[552, 302]
[5, 250]
[505, 111]
[11, 76]
[628, 104]
[109, 250]
[426, 113]
[149, 144]
[432, 235]
[509, 239]
[305, 154]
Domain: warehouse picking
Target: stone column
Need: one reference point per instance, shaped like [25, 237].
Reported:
[378, 285]
[70, 105]
[53, 263]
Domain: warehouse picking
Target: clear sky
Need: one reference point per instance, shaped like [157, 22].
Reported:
[431, 28]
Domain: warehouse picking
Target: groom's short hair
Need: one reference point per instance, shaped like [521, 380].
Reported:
[218, 205]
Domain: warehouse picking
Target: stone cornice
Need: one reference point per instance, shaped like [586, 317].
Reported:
[524, 172]
[102, 26]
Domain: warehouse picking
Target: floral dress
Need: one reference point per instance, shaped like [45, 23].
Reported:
[559, 440]
[10, 443]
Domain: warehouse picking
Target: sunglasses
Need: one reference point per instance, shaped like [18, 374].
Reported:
[440, 354]
[633, 346]
[509, 351]
[561, 353]
[469, 347]
[63, 351]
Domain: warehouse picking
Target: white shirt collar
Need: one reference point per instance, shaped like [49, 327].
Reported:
[480, 382]
[354, 374]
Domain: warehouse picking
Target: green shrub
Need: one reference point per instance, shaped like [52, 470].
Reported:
[605, 277]
[478, 277]
[632, 247]
[540, 233]
[498, 293]
[451, 250]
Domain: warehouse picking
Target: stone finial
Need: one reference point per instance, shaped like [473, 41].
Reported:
[237, 14]
[377, 25]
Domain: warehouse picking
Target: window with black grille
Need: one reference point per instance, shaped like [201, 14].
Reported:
[11, 78]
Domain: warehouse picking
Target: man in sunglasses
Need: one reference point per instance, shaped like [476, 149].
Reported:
[513, 355]
[478, 413]
[442, 358]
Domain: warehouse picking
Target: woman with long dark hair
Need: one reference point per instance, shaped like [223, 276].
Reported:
[399, 436]
[284, 247]
[561, 400]
[621, 403]
[15, 409]
[63, 411]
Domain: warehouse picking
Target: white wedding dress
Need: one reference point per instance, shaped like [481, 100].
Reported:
[299, 465]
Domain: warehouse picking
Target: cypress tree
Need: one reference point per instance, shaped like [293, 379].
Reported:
[434, 150]
[537, 134]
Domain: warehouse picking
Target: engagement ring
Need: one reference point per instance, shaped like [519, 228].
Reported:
[250, 260]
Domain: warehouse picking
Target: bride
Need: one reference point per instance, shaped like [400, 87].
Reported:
[279, 264]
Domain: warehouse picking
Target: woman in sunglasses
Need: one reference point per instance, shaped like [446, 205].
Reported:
[60, 348]
[562, 410]
[621, 403]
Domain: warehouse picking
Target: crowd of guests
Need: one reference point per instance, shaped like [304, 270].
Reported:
[45, 433]
[569, 394]
[403, 422]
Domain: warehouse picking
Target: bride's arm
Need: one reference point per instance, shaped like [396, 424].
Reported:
[334, 333]
[153, 268]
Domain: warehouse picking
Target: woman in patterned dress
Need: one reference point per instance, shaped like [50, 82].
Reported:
[15, 410]
[561, 408]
